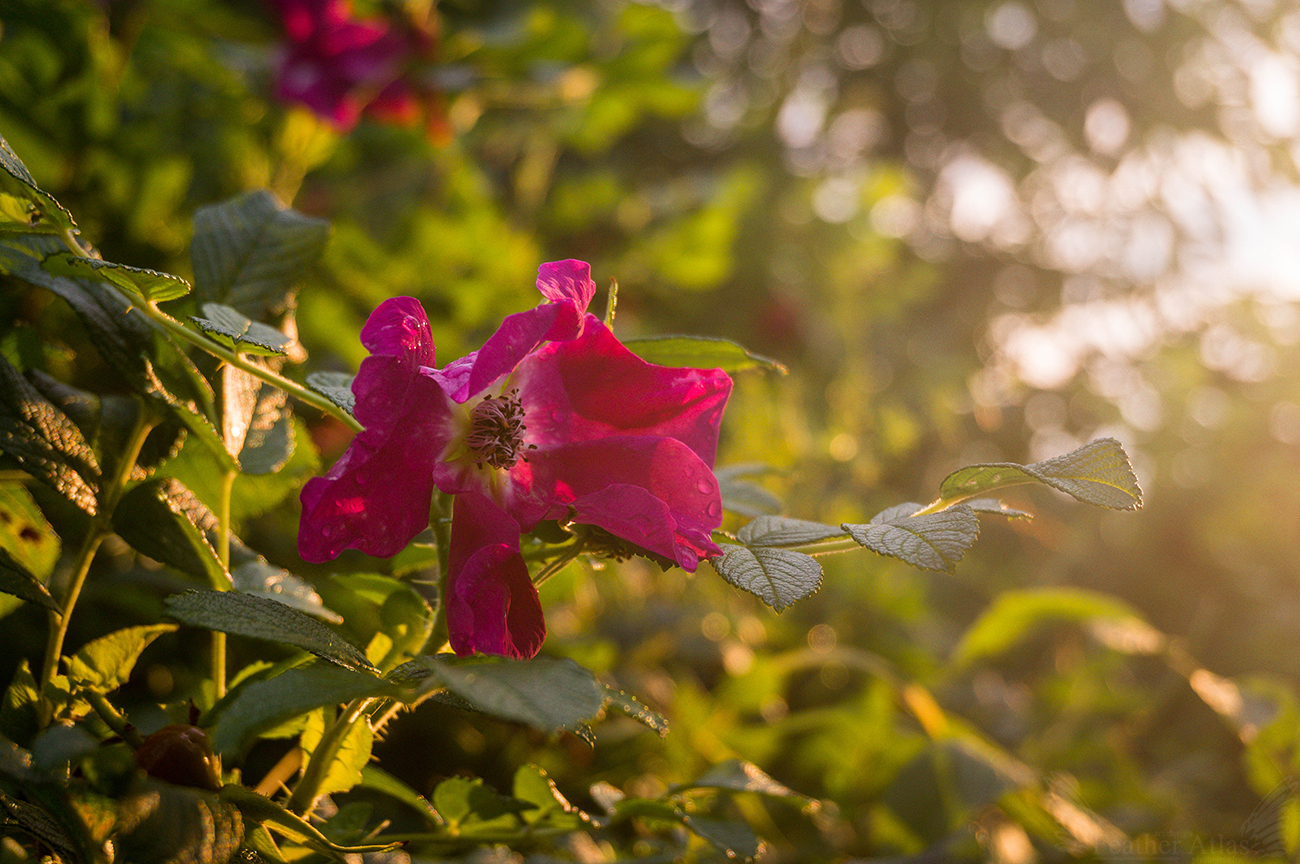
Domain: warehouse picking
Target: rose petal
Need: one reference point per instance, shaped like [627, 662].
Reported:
[567, 281]
[593, 387]
[492, 604]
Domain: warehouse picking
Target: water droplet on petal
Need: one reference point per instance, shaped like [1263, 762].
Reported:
[704, 485]
[714, 509]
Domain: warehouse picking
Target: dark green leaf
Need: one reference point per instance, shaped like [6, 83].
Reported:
[170, 824]
[22, 203]
[106, 663]
[40, 825]
[632, 707]
[547, 693]
[374, 777]
[468, 807]
[934, 541]
[1097, 473]
[533, 786]
[371, 605]
[270, 702]
[59, 746]
[17, 580]
[165, 521]
[20, 710]
[259, 577]
[249, 252]
[783, 531]
[778, 577]
[733, 838]
[238, 332]
[334, 386]
[700, 352]
[1010, 618]
[246, 615]
[44, 441]
[148, 285]
[737, 775]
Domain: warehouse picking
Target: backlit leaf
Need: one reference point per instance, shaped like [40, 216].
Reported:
[778, 577]
[334, 386]
[1014, 613]
[238, 332]
[1096, 473]
[783, 531]
[165, 521]
[25, 205]
[106, 663]
[934, 541]
[148, 285]
[700, 352]
[17, 580]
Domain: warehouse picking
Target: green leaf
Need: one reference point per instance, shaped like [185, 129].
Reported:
[20, 710]
[334, 386]
[45, 442]
[148, 285]
[17, 580]
[733, 838]
[239, 333]
[547, 693]
[778, 577]
[743, 496]
[246, 615]
[737, 775]
[106, 663]
[249, 252]
[934, 541]
[632, 707]
[171, 824]
[469, 807]
[259, 577]
[1010, 618]
[22, 202]
[1097, 473]
[165, 521]
[258, 808]
[353, 754]
[700, 352]
[783, 531]
[256, 422]
[25, 533]
[264, 704]
[533, 786]
[42, 826]
[374, 777]
[385, 614]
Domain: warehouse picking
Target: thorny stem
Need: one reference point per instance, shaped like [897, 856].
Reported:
[308, 787]
[150, 310]
[101, 525]
[113, 719]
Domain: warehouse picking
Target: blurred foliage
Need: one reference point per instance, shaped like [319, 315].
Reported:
[975, 231]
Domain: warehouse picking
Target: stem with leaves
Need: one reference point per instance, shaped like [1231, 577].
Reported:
[101, 525]
[308, 787]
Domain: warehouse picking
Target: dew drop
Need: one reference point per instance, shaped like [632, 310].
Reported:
[704, 485]
[714, 509]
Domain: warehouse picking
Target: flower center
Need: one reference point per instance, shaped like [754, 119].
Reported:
[496, 431]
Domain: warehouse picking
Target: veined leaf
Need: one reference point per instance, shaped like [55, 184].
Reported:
[165, 521]
[24, 203]
[344, 770]
[783, 531]
[1096, 473]
[260, 577]
[106, 663]
[334, 386]
[700, 352]
[240, 333]
[249, 252]
[934, 541]
[778, 577]
[263, 704]
[148, 285]
[246, 615]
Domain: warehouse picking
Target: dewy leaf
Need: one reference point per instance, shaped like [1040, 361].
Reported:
[334, 386]
[148, 285]
[44, 441]
[260, 577]
[106, 663]
[738, 775]
[17, 580]
[165, 521]
[778, 577]
[632, 707]
[1097, 473]
[246, 615]
[24, 203]
[547, 693]
[934, 541]
[1015, 613]
[263, 704]
[238, 332]
[701, 352]
[249, 252]
[783, 531]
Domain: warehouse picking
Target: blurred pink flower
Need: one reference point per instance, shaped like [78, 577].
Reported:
[552, 419]
[341, 67]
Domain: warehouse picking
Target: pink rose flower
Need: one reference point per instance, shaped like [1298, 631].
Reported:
[552, 419]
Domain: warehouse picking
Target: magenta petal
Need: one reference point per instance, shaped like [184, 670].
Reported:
[492, 605]
[580, 475]
[569, 281]
[593, 387]
[518, 335]
[399, 328]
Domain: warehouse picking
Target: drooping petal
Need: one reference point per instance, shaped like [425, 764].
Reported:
[597, 479]
[592, 387]
[492, 604]
[376, 496]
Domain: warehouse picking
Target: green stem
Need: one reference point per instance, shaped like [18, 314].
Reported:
[570, 552]
[440, 524]
[101, 525]
[225, 488]
[199, 340]
[307, 789]
[112, 718]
